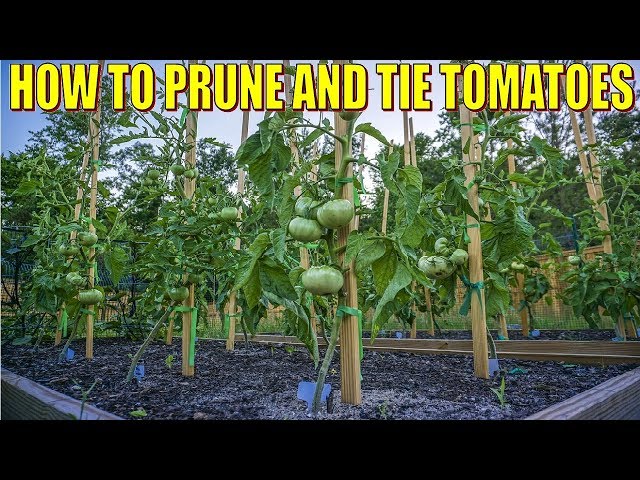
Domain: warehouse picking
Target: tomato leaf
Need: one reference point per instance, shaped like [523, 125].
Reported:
[370, 130]
[278, 237]
[401, 278]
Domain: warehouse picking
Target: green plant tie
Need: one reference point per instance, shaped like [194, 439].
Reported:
[471, 288]
[465, 235]
[311, 246]
[183, 118]
[523, 305]
[64, 320]
[356, 197]
[226, 324]
[343, 181]
[194, 324]
[87, 311]
[89, 220]
[345, 310]
[97, 164]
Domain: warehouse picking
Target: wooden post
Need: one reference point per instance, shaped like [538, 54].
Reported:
[524, 314]
[412, 144]
[76, 215]
[427, 296]
[231, 339]
[603, 223]
[349, 331]
[295, 153]
[360, 170]
[189, 190]
[94, 130]
[478, 319]
[593, 183]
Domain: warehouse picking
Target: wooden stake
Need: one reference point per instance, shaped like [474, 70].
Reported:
[597, 180]
[478, 319]
[94, 130]
[295, 153]
[233, 297]
[427, 295]
[360, 169]
[76, 216]
[524, 315]
[349, 331]
[189, 190]
[412, 144]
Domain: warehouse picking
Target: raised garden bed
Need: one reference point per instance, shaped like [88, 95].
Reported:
[260, 382]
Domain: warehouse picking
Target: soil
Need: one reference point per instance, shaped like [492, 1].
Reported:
[582, 335]
[260, 382]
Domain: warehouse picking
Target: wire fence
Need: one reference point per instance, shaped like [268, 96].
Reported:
[120, 307]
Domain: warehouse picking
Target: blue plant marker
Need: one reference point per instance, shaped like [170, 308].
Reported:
[384, 334]
[139, 372]
[638, 331]
[616, 339]
[535, 333]
[307, 389]
[399, 335]
[494, 366]
[196, 339]
[518, 370]
[500, 337]
[70, 353]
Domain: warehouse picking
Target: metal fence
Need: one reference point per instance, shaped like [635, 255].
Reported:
[17, 264]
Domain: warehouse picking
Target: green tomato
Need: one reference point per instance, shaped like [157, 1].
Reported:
[177, 169]
[305, 230]
[87, 239]
[153, 174]
[335, 213]
[436, 267]
[459, 257]
[307, 207]
[69, 250]
[574, 259]
[191, 173]
[74, 279]
[442, 246]
[229, 214]
[179, 294]
[147, 182]
[349, 116]
[195, 278]
[211, 201]
[90, 297]
[322, 280]
[518, 267]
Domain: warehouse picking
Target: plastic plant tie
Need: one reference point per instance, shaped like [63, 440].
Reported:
[183, 117]
[345, 310]
[194, 323]
[227, 323]
[471, 288]
[356, 197]
[466, 238]
[311, 246]
[64, 320]
[87, 312]
[343, 181]
[97, 163]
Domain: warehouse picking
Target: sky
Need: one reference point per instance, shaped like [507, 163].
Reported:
[225, 126]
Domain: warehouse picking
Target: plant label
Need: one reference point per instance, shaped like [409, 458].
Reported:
[399, 335]
[70, 354]
[494, 366]
[306, 391]
[139, 372]
[535, 333]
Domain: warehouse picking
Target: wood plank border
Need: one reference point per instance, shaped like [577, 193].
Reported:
[616, 399]
[24, 399]
[595, 352]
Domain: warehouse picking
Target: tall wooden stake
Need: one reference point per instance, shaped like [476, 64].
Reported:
[231, 339]
[295, 153]
[189, 190]
[478, 319]
[593, 181]
[76, 216]
[94, 130]
[349, 331]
